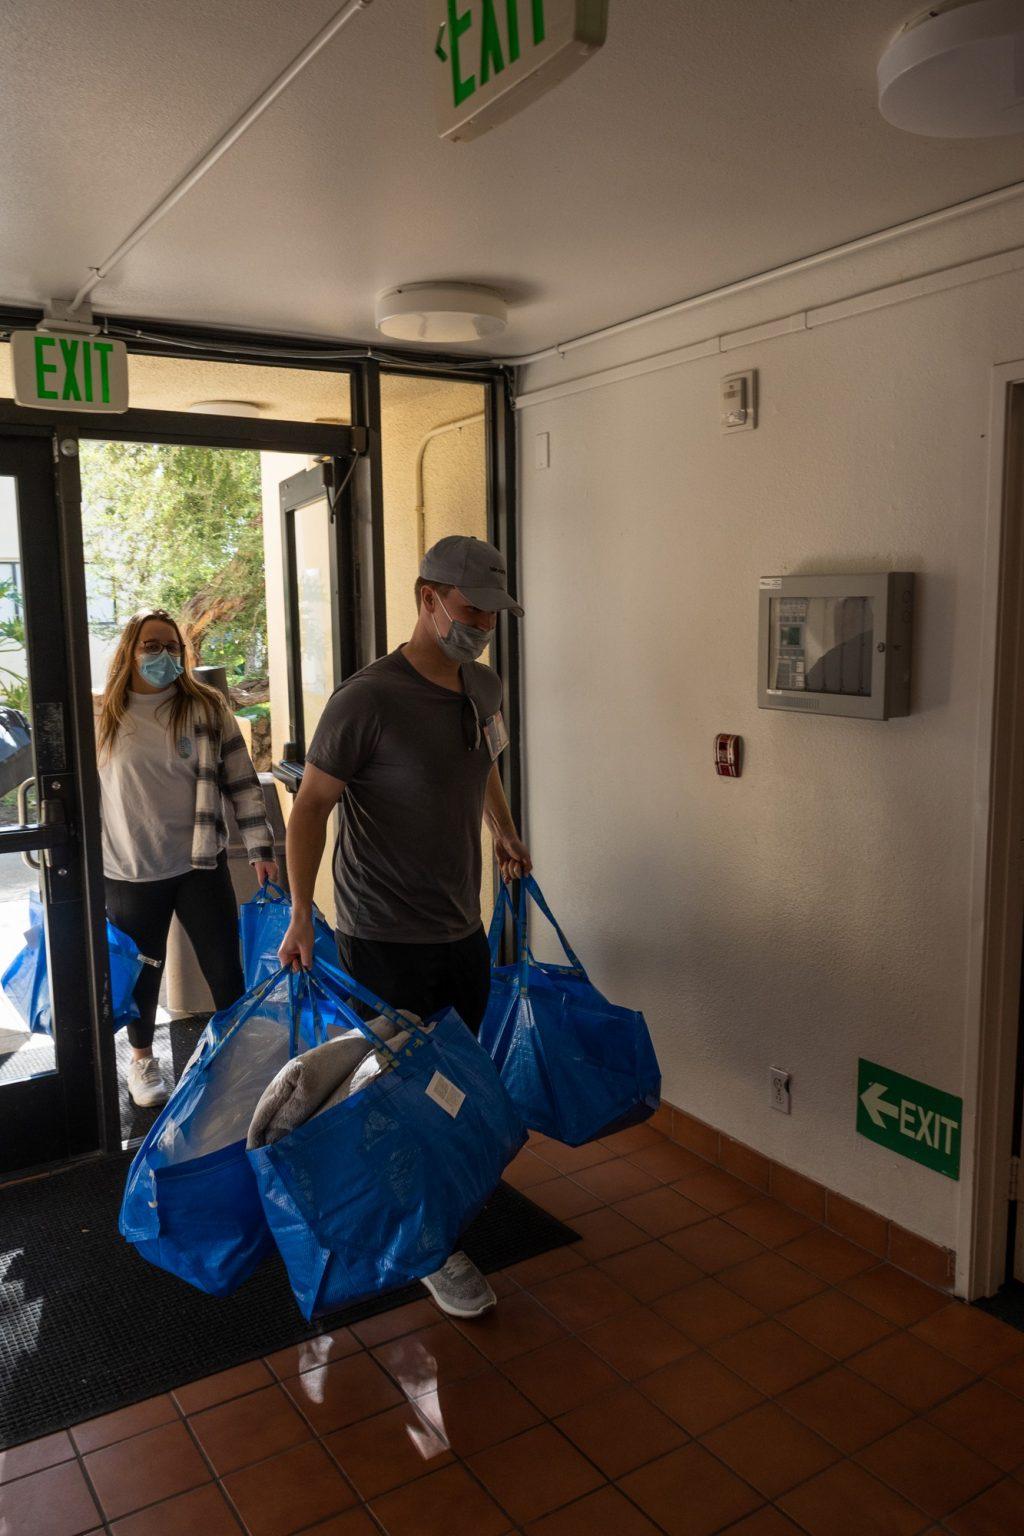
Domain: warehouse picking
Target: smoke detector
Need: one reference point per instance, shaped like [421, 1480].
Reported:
[441, 312]
[956, 71]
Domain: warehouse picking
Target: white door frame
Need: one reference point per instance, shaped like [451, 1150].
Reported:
[997, 884]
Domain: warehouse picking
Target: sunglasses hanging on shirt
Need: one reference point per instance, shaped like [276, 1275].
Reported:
[471, 732]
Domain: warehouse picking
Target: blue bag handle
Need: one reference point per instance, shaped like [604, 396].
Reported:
[523, 941]
[535, 891]
[263, 893]
[319, 1027]
[503, 904]
[529, 888]
[257, 996]
[315, 984]
[344, 984]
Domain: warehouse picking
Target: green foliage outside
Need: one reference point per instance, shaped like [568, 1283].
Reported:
[13, 684]
[179, 528]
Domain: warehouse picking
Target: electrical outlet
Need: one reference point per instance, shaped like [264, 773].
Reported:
[778, 1090]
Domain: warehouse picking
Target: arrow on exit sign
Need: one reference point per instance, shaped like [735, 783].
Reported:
[876, 1104]
[910, 1118]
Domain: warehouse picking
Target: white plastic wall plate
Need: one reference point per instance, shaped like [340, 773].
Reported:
[738, 401]
[778, 1088]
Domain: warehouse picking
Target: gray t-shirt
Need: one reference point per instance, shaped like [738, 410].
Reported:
[407, 863]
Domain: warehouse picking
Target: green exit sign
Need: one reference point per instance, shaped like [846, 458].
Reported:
[497, 56]
[910, 1118]
[69, 373]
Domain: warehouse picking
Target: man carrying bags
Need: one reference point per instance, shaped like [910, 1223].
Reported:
[408, 748]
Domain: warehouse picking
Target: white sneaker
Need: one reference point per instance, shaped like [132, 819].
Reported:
[459, 1288]
[146, 1083]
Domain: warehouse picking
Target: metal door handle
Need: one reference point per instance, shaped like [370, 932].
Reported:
[23, 789]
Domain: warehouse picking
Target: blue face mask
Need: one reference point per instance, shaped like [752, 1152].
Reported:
[161, 670]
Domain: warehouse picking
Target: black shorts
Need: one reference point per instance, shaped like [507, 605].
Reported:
[423, 978]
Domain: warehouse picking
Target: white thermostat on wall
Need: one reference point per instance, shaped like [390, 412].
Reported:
[836, 645]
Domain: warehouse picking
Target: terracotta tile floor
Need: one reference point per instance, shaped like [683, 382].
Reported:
[704, 1362]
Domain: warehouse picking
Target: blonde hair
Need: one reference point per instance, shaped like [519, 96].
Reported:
[189, 695]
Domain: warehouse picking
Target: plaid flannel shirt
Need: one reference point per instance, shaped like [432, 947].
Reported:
[225, 768]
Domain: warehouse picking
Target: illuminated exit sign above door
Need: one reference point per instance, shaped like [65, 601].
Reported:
[69, 373]
[497, 56]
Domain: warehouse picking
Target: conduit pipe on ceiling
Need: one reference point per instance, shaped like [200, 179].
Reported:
[804, 264]
[223, 144]
[421, 498]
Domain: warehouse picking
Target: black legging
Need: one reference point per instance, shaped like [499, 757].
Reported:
[204, 902]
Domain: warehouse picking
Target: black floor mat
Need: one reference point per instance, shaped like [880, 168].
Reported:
[87, 1326]
[1007, 1304]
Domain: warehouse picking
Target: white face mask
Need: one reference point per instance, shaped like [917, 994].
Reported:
[463, 642]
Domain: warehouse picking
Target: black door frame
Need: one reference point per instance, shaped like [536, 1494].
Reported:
[361, 593]
[60, 1114]
[322, 483]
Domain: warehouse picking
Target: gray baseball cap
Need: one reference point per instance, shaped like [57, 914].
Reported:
[476, 568]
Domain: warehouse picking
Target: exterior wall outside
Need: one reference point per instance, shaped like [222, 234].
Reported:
[819, 909]
[12, 659]
[10, 545]
[454, 479]
[454, 485]
[101, 654]
[275, 467]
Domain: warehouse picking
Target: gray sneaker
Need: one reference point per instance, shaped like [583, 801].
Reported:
[146, 1083]
[459, 1288]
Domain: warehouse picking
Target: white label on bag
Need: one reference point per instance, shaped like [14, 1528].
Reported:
[446, 1094]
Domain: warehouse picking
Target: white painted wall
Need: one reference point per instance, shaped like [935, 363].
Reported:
[819, 908]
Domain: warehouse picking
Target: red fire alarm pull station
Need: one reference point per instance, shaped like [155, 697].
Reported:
[727, 756]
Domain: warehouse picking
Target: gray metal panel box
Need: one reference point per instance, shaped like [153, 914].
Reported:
[836, 645]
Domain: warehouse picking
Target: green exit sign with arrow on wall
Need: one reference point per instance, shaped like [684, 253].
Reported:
[910, 1118]
[494, 57]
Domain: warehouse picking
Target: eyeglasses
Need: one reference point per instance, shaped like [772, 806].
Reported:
[154, 647]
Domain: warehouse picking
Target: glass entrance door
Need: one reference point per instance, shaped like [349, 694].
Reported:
[48, 1069]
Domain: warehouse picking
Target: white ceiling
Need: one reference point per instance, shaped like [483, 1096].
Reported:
[707, 141]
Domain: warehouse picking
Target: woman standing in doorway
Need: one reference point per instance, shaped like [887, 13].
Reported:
[168, 750]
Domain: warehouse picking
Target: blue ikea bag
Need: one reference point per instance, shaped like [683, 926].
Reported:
[191, 1205]
[576, 1066]
[376, 1191]
[26, 981]
[262, 924]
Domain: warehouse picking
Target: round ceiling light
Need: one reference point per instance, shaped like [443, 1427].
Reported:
[225, 408]
[441, 312]
[956, 71]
